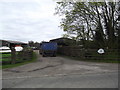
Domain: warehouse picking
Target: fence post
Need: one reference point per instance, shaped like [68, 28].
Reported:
[13, 55]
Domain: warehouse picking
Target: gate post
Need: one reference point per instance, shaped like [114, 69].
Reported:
[13, 55]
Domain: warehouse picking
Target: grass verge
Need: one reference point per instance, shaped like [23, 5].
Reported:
[5, 57]
[19, 64]
[90, 60]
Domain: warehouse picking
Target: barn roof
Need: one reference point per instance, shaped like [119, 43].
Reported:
[60, 39]
[63, 41]
[16, 42]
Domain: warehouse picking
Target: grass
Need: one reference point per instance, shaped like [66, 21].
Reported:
[22, 63]
[7, 55]
[4, 59]
[105, 60]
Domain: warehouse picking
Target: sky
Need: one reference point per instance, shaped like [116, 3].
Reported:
[26, 20]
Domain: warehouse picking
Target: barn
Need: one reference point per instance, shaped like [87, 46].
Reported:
[64, 41]
[11, 43]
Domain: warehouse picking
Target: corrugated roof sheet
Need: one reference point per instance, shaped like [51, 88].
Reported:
[10, 41]
[61, 39]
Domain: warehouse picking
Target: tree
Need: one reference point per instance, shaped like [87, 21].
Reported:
[118, 26]
[31, 43]
[37, 45]
[90, 21]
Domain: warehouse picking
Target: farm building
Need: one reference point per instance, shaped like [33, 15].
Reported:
[10, 43]
[64, 41]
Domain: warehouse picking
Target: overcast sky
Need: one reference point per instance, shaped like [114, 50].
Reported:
[25, 20]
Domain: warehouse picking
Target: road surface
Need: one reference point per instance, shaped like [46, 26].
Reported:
[59, 72]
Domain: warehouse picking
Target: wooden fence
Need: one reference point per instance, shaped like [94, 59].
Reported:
[76, 51]
[16, 57]
[4, 57]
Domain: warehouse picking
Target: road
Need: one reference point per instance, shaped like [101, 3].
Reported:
[60, 72]
[108, 80]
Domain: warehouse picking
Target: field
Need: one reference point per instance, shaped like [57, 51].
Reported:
[5, 56]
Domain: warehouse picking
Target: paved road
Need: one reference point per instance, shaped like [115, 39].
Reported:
[107, 80]
[61, 72]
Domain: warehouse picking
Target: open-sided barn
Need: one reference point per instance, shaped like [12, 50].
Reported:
[11, 43]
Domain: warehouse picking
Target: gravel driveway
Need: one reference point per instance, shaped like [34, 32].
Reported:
[52, 66]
